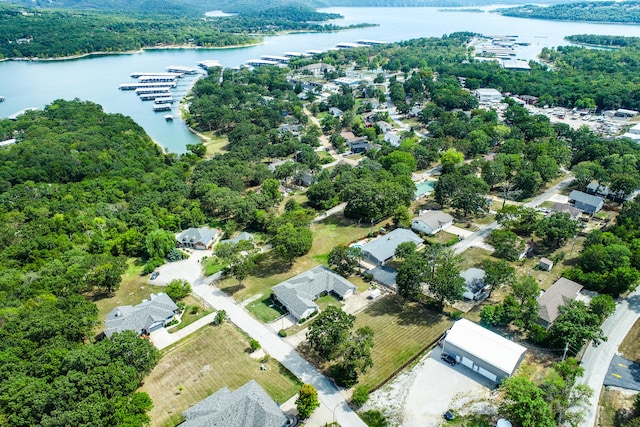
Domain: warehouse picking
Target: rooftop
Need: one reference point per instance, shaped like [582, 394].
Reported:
[248, 406]
[384, 247]
[559, 294]
[141, 317]
[587, 199]
[434, 219]
[298, 293]
[485, 345]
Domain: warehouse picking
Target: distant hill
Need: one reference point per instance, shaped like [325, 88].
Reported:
[197, 7]
[627, 12]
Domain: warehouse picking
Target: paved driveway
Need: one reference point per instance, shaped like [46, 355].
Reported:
[188, 269]
[623, 373]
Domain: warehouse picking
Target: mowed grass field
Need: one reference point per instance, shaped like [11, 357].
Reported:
[210, 359]
[630, 347]
[402, 331]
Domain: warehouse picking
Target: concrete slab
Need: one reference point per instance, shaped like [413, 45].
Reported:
[452, 229]
[559, 198]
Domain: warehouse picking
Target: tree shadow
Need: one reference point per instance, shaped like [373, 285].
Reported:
[272, 264]
[230, 290]
[407, 312]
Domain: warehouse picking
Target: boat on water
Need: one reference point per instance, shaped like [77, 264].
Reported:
[2, 98]
[168, 118]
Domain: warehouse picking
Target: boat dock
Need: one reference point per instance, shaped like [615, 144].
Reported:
[137, 75]
[364, 42]
[156, 79]
[164, 100]
[181, 69]
[276, 58]
[134, 86]
[147, 90]
[209, 63]
[161, 107]
[154, 96]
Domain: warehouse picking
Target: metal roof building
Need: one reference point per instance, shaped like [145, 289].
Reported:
[483, 351]
[382, 249]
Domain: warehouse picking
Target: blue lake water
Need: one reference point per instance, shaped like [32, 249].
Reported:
[36, 84]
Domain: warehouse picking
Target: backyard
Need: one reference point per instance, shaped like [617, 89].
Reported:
[210, 359]
[403, 330]
[133, 289]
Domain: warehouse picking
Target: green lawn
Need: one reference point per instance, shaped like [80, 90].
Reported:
[442, 238]
[402, 332]
[212, 265]
[264, 309]
[193, 311]
[133, 289]
[212, 358]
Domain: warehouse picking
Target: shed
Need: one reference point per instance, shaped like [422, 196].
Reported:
[545, 264]
[483, 351]
[586, 202]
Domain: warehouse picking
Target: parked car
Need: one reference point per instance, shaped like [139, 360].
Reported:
[449, 416]
[154, 275]
[448, 358]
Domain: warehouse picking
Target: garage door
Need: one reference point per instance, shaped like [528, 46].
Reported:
[467, 362]
[485, 373]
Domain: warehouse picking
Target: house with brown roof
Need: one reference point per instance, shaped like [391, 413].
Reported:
[562, 292]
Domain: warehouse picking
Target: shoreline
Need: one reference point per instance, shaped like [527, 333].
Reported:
[130, 52]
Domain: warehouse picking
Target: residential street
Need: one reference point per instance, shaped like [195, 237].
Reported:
[477, 238]
[596, 360]
[281, 350]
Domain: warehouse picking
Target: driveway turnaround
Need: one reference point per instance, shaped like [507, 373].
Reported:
[282, 351]
[623, 373]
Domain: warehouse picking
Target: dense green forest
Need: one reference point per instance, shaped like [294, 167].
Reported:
[79, 192]
[600, 11]
[604, 40]
[45, 33]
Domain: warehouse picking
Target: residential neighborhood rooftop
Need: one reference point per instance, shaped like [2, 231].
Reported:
[141, 318]
[559, 294]
[384, 247]
[298, 293]
[248, 406]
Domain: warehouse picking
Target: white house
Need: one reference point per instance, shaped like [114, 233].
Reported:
[202, 238]
[392, 138]
[475, 286]
[431, 222]
[485, 352]
[488, 95]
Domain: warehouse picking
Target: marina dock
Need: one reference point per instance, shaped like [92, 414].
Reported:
[181, 69]
[134, 86]
[162, 107]
[137, 75]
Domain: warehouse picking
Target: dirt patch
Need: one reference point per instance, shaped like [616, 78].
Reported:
[615, 404]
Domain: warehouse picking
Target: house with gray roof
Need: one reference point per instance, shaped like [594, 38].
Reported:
[297, 294]
[244, 236]
[431, 222]
[248, 406]
[563, 207]
[144, 318]
[202, 238]
[586, 202]
[392, 138]
[379, 251]
[562, 292]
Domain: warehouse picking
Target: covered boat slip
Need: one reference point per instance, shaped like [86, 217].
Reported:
[482, 351]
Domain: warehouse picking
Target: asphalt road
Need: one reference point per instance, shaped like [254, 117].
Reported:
[623, 373]
[596, 360]
[282, 351]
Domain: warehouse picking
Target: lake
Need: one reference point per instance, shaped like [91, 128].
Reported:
[36, 84]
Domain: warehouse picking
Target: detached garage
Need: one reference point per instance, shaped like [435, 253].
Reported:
[482, 351]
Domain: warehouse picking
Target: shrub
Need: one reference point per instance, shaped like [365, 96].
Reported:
[360, 395]
[254, 344]
[178, 289]
[221, 316]
[175, 254]
[194, 309]
[282, 333]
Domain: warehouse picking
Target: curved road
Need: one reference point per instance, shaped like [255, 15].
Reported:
[596, 360]
[282, 351]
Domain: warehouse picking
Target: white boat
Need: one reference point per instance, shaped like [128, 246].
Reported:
[2, 98]
[168, 118]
